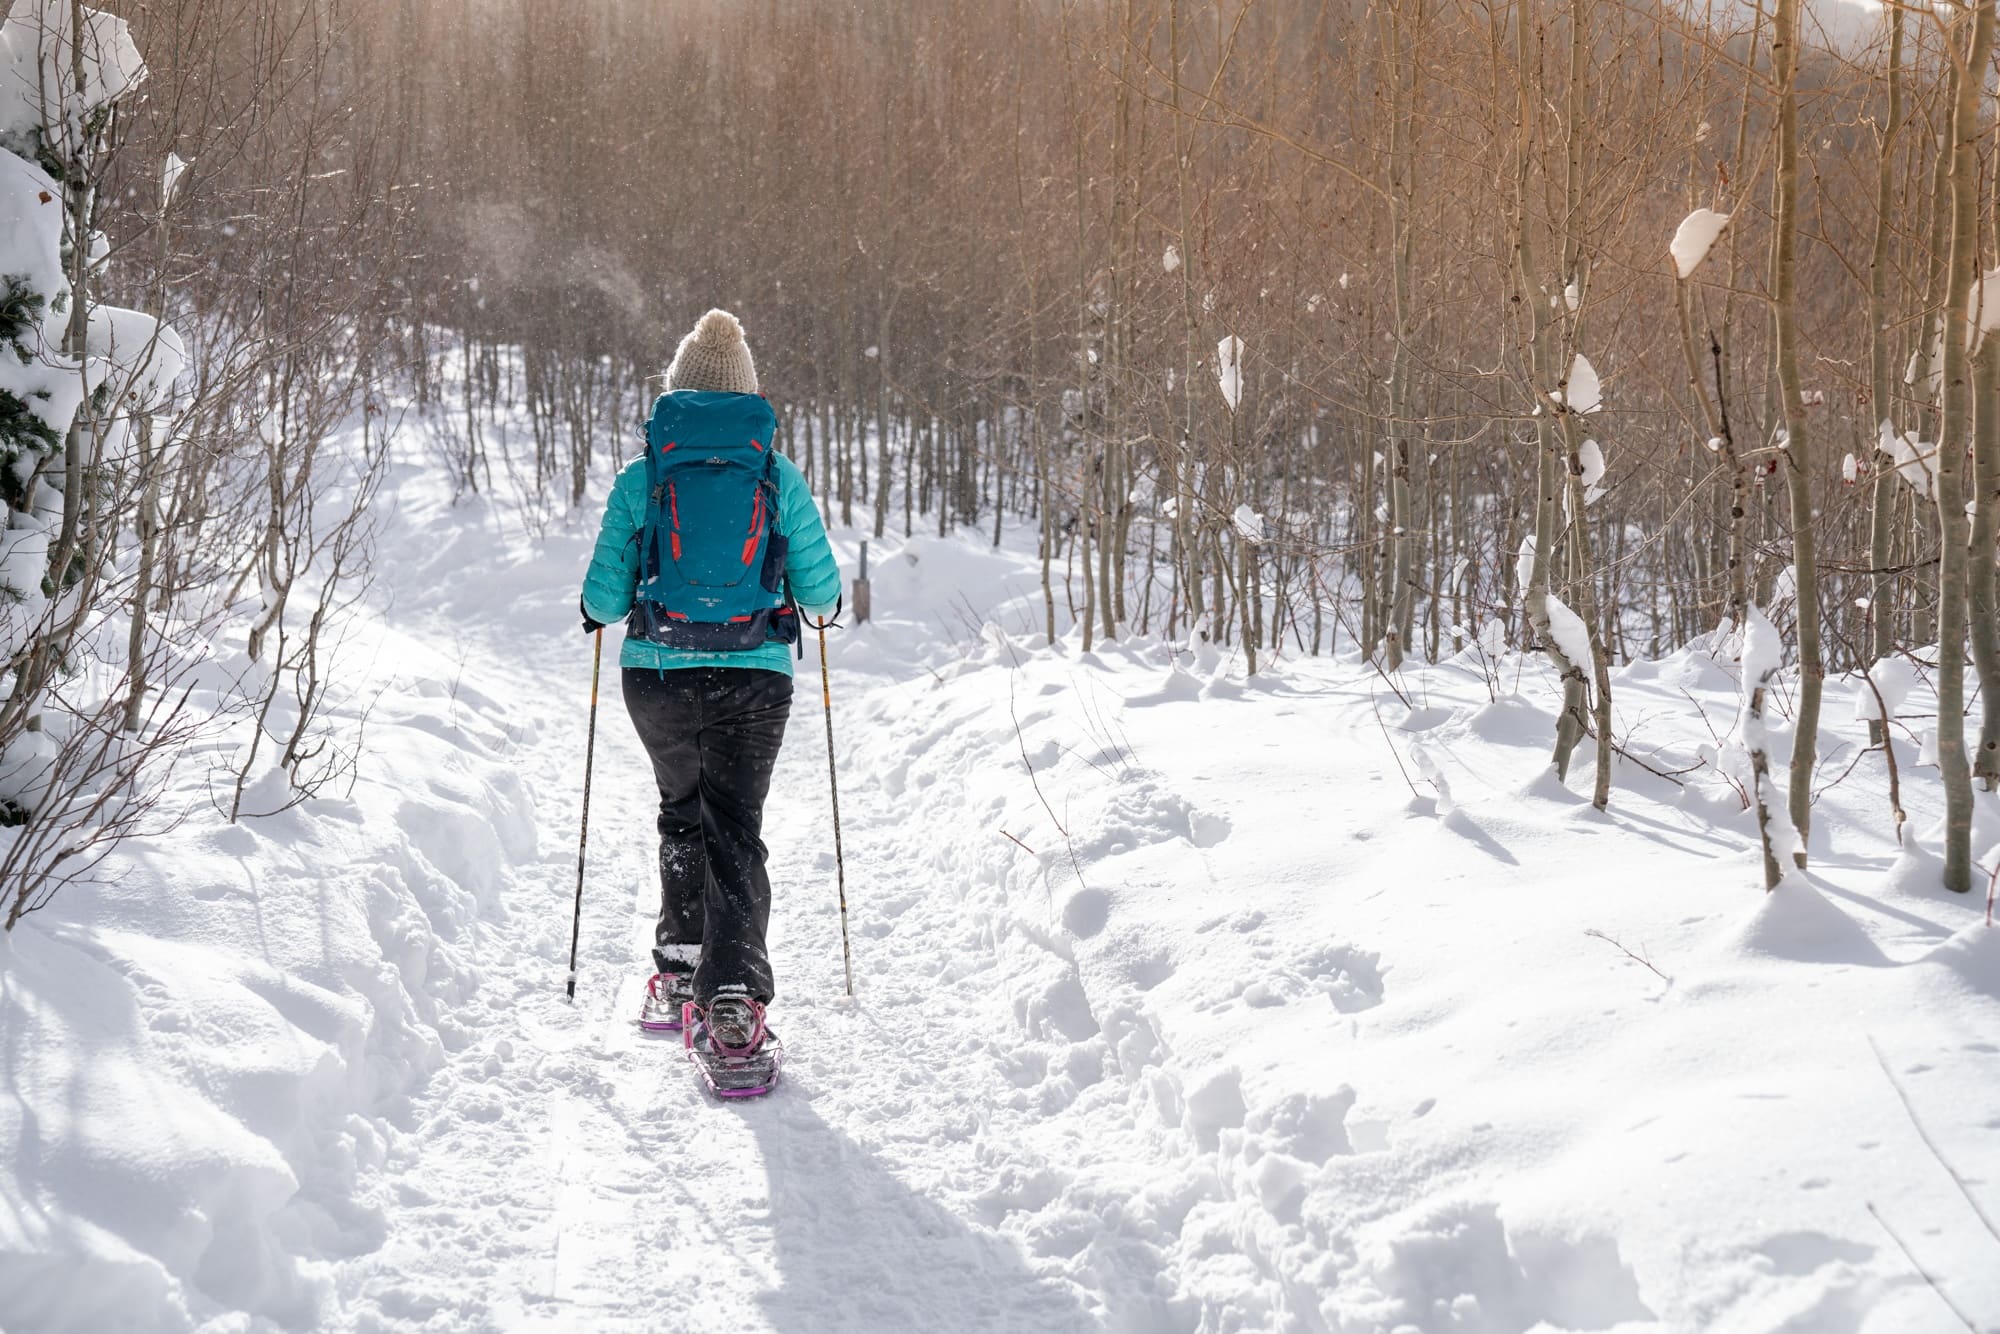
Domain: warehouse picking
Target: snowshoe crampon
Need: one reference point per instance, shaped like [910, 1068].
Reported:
[740, 1070]
[664, 1009]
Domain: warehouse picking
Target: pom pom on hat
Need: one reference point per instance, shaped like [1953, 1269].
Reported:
[714, 357]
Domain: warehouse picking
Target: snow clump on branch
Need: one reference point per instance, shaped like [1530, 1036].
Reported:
[1229, 369]
[1580, 391]
[1693, 239]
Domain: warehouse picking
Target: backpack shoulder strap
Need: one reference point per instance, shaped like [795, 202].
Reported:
[651, 537]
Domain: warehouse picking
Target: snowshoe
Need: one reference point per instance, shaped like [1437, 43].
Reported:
[730, 1045]
[665, 1006]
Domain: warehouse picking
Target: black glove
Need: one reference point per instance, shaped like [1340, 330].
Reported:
[590, 626]
[830, 623]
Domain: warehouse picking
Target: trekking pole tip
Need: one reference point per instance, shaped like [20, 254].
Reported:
[572, 984]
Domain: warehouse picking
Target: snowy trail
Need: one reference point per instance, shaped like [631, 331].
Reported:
[629, 1197]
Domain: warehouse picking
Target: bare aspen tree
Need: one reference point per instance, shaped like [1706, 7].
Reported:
[1982, 613]
[1574, 278]
[1401, 31]
[1797, 451]
[1881, 382]
[1763, 654]
[1967, 79]
[1982, 595]
[1186, 545]
[1540, 555]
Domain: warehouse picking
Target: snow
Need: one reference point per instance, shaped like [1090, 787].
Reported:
[171, 172]
[1785, 587]
[1524, 563]
[1591, 456]
[31, 228]
[1915, 461]
[1580, 391]
[1240, 1032]
[1693, 240]
[1171, 260]
[142, 357]
[1568, 630]
[1982, 308]
[1894, 679]
[1763, 652]
[36, 49]
[1249, 524]
[1229, 369]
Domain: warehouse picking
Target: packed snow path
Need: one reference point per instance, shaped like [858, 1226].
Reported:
[576, 1174]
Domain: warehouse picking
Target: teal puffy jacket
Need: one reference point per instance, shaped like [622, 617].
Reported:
[614, 570]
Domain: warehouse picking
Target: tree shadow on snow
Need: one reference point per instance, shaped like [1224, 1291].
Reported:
[858, 1250]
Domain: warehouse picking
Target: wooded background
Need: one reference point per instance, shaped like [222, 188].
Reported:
[1006, 239]
[990, 255]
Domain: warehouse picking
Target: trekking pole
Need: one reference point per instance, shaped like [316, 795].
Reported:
[583, 836]
[833, 783]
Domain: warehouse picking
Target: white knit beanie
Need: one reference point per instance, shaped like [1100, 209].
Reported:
[714, 357]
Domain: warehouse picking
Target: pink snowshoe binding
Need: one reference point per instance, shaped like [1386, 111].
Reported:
[737, 1055]
[735, 1026]
[667, 998]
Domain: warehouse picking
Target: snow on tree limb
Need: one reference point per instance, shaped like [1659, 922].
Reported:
[1580, 391]
[1693, 239]
[1982, 308]
[1569, 632]
[1229, 369]
[1591, 456]
[170, 178]
[1915, 461]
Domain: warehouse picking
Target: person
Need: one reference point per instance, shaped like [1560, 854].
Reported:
[709, 704]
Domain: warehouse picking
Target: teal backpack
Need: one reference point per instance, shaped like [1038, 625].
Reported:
[711, 558]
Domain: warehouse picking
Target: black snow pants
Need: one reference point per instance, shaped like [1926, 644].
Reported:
[713, 734]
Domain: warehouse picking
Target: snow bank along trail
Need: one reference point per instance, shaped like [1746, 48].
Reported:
[1186, 1003]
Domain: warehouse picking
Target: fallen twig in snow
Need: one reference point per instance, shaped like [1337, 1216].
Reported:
[1922, 1273]
[1852, 765]
[1671, 776]
[1028, 764]
[1019, 844]
[1340, 616]
[1376, 703]
[1636, 958]
[1715, 765]
[1925, 1135]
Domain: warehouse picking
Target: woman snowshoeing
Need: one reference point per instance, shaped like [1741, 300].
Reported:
[710, 548]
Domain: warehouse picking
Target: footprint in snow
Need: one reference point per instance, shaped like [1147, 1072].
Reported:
[1350, 978]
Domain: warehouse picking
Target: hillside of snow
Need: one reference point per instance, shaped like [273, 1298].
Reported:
[1186, 1002]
